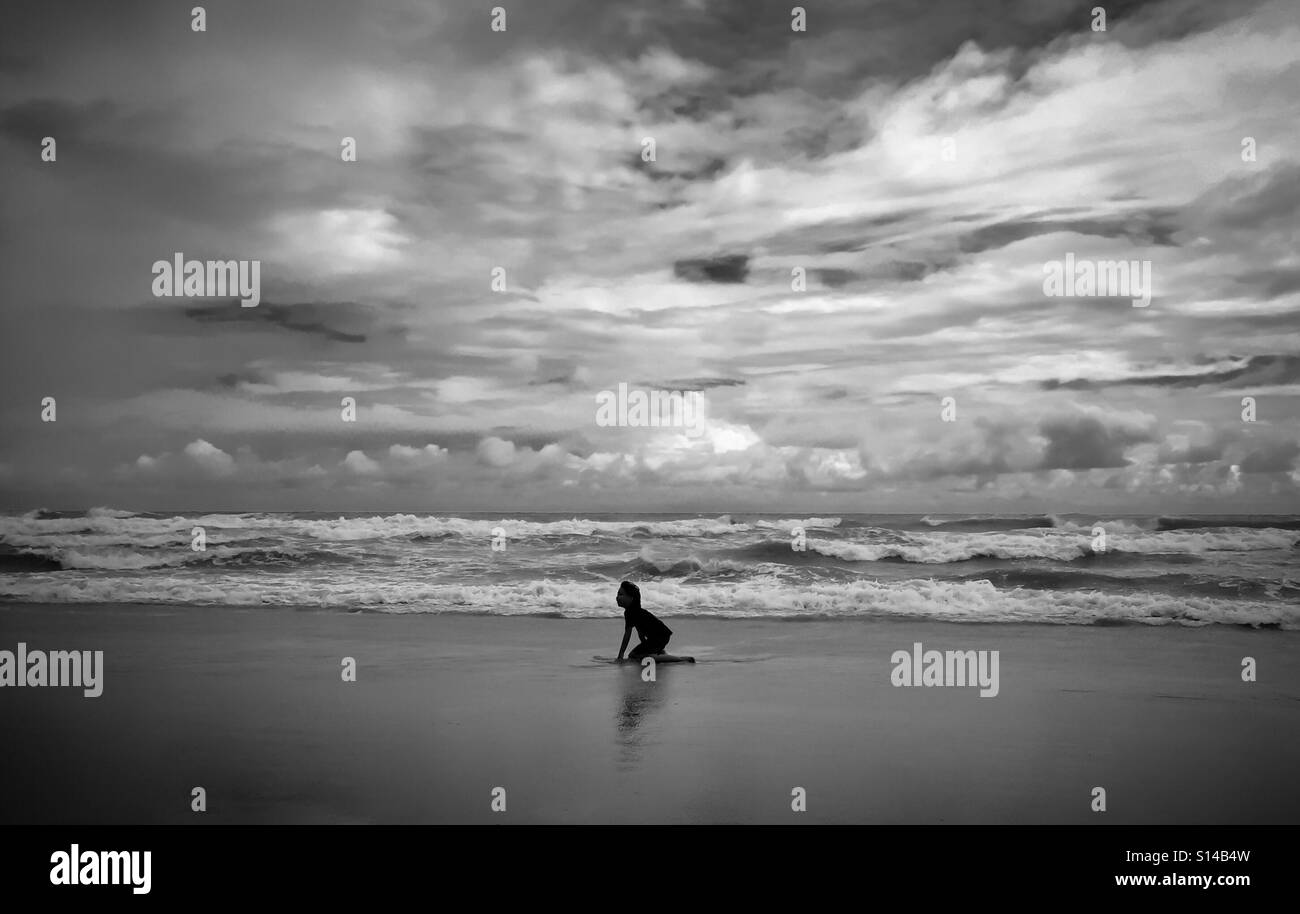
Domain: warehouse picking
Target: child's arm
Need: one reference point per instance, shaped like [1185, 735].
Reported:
[627, 634]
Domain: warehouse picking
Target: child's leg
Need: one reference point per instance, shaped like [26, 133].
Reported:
[648, 649]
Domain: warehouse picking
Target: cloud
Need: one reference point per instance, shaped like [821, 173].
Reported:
[685, 384]
[1253, 371]
[1181, 449]
[1272, 457]
[307, 317]
[826, 150]
[201, 462]
[212, 459]
[1088, 442]
[427, 455]
[357, 462]
[339, 240]
[731, 268]
[496, 452]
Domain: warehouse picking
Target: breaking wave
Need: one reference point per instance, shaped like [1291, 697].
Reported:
[1024, 568]
[954, 601]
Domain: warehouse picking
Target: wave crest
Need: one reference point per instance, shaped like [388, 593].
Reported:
[954, 601]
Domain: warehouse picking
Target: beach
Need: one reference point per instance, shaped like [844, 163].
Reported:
[249, 703]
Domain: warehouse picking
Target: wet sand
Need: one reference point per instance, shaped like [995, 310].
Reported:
[250, 705]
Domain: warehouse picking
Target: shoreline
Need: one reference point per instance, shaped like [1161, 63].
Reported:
[251, 706]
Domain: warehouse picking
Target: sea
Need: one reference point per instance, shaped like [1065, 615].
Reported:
[1069, 569]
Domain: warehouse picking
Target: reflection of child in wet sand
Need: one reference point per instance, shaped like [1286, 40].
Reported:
[653, 633]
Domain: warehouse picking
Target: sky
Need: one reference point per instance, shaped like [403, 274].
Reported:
[920, 166]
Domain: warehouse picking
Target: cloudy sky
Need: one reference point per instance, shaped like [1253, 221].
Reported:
[920, 163]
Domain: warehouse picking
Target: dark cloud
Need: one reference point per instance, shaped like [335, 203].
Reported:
[1207, 452]
[847, 41]
[1259, 370]
[989, 449]
[1279, 282]
[1273, 457]
[1251, 202]
[1085, 443]
[905, 270]
[821, 141]
[835, 278]
[731, 268]
[839, 236]
[312, 319]
[234, 379]
[707, 169]
[693, 383]
[1152, 228]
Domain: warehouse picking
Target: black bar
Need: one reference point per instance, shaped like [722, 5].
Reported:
[597, 863]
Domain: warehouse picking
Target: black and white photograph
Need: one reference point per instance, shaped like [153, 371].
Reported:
[649, 413]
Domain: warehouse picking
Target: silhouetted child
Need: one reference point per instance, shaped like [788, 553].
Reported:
[653, 633]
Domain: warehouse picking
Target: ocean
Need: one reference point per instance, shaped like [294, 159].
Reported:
[1050, 569]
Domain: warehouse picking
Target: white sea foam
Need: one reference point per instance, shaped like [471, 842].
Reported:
[960, 601]
[808, 523]
[130, 528]
[108, 526]
[707, 566]
[955, 548]
[1057, 545]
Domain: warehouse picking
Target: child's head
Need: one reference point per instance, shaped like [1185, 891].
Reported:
[629, 595]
